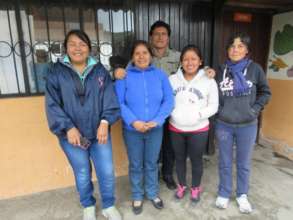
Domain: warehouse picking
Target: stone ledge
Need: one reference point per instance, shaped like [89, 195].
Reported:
[280, 148]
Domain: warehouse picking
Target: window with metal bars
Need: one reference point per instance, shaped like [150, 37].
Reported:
[31, 39]
[32, 33]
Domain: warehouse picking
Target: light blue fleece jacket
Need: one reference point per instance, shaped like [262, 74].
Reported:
[144, 95]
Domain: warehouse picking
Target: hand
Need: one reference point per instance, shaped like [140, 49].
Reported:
[73, 136]
[119, 73]
[140, 126]
[211, 73]
[102, 133]
[151, 124]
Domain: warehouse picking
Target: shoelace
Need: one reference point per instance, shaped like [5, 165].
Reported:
[244, 201]
[180, 191]
[195, 192]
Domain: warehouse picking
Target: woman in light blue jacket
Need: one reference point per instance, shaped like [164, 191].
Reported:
[146, 100]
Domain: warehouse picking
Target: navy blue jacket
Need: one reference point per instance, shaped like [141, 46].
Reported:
[71, 103]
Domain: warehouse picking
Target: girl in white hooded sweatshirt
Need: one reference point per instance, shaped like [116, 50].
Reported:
[196, 99]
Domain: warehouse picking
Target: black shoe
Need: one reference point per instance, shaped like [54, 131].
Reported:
[157, 204]
[170, 183]
[137, 209]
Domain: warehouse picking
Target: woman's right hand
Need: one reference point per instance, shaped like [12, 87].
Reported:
[140, 126]
[119, 73]
[210, 72]
[73, 136]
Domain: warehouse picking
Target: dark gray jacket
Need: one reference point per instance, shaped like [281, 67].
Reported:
[242, 109]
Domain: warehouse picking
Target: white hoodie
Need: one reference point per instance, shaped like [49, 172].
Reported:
[195, 101]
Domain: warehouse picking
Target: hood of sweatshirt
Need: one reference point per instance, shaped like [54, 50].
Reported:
[198, 76]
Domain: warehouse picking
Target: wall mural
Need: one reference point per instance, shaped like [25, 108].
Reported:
[280, 63]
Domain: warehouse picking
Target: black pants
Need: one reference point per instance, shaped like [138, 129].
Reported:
[167, 153]
[192, 146]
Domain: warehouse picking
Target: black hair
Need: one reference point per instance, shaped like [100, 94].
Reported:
[81, 35]
[244, 38]
[192, 47]
[158, 24]
[140, 42]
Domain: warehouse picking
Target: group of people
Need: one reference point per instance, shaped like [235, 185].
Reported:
[164, 98]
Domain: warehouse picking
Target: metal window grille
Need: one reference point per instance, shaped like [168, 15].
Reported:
[33, 32]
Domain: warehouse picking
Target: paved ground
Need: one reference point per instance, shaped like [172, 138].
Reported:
[271, 194]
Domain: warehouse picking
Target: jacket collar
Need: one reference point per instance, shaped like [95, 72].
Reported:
[133, 68]
[166, 54]
[181, 77]
[91, 62]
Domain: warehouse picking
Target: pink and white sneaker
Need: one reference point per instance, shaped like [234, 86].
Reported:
[195, 193]
[180, 192]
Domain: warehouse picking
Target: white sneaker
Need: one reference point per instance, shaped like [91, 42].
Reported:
[222, 202]
[111, 213]
[89, 213]
[244, 205]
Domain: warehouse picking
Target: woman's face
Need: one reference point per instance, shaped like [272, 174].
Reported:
[141, 57]
[237, 51]
[77, 50]
[190, 62]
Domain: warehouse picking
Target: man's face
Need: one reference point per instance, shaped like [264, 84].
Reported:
[160, 38]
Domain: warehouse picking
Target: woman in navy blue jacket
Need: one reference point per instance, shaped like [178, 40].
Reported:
[146, 100]
[81, 104]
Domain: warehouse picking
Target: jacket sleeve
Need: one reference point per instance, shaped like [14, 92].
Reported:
[263, 93]
[167, 104]
[126, 113]
[212, 103]
[110, 106]
[59, 122]
[219, 73]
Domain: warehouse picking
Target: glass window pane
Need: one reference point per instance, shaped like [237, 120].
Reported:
[119, 27]
[122, 37]
[105, 37]
[11, 74]
[26, 20]
[57, 32]
[37, 34]
[72, 18]
[90, 29]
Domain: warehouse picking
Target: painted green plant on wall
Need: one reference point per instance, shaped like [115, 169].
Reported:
[283, 42]
[282, 45]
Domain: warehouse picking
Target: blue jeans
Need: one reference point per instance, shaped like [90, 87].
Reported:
[143, 151]
[244, 138]
[79, 159]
